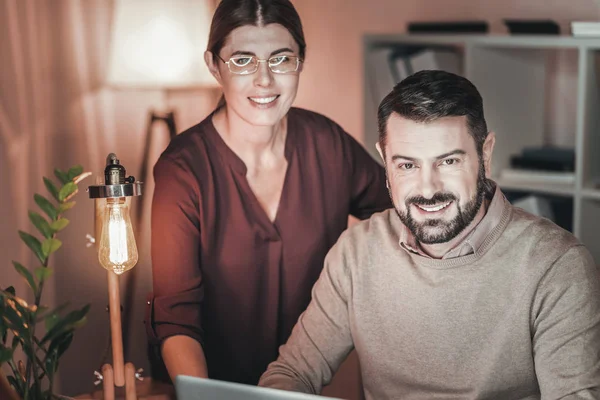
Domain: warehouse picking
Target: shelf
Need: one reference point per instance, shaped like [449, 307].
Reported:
[593, 194]
[514, 41]
[558, 189]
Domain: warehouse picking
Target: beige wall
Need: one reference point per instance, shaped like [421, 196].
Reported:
[332, 78]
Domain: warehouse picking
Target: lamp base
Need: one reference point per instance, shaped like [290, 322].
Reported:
[133, 389]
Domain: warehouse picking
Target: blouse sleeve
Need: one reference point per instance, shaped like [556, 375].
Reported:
[369, 193]
[174, 308]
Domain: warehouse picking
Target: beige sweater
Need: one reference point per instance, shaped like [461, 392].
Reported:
[518, 319]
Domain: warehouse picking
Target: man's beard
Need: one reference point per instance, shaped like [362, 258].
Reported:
[443, 231]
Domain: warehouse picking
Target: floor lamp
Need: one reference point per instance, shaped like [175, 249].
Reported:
[158, 46]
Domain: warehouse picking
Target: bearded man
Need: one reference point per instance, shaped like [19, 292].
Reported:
[454, 293]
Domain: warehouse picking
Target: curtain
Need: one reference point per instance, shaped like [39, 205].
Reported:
[55, 111]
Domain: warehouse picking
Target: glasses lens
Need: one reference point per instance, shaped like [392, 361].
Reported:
[242, 65]
[283, 64]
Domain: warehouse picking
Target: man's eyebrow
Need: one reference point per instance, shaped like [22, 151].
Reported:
[398, 157]
[451, 153]
[440, 157]
[249, 53]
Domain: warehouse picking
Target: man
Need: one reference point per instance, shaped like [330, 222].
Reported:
[455, 293]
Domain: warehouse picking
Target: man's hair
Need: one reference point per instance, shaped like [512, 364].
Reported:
[429, 95]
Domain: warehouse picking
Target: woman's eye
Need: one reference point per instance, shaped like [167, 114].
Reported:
[278, 60]
[241, 61]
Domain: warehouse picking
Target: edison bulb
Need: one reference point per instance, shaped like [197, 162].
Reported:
[117, 250]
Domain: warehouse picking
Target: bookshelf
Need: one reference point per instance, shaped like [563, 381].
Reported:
[512, 73]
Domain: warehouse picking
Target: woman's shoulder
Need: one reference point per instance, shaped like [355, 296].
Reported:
[313, 119]
[316, 126]
[190, 143]
[188, 151]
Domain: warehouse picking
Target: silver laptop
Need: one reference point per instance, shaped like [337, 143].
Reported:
[189, 388]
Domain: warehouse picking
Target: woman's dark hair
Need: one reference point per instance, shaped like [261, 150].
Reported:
[232, 14]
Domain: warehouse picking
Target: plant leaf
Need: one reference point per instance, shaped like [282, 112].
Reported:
[50, 246]
[15, 315]
[6, 354]
[62, 176]
[50, 321]
[61, 343]
[67, 190]
[16, 384]
[69, 322]
[74, 172]
[42, 273]
[41, 224]
[51, 188]
[3, 327]
[65, 206]
[34, 244]
[59, 224]
[24, 272]
[46, 206]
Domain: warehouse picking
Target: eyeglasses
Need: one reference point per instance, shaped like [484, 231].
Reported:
[246, 65]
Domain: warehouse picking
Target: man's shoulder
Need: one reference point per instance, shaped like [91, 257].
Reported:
[379, 229]
[537, 236]
[539, 228]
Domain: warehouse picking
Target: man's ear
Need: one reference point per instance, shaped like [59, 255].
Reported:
[378, 147]
[488, 149]
[211, 63]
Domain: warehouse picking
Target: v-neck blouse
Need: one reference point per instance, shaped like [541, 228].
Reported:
[226, 275]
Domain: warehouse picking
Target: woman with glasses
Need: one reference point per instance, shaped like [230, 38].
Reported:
[248, 202]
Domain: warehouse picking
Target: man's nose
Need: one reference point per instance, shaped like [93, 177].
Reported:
[430, 182]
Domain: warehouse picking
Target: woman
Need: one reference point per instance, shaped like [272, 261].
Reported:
[248, 202]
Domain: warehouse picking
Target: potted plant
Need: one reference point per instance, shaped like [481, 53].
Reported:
[43, 334]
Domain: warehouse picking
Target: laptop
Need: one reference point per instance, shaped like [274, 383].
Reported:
[191, 388]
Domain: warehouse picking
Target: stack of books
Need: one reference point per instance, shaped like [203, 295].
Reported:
[544, 164]
[585, 29]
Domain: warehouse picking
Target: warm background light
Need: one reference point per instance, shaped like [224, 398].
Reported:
[159, 44]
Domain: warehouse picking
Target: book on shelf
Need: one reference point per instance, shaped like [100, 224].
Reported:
[585, 28]
[527, 176]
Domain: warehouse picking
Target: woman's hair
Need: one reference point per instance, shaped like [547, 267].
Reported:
[232, 14]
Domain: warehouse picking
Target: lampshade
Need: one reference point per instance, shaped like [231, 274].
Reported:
[160, 44]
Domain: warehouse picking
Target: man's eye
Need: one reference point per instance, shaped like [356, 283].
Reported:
[406, 166]
[241, 61]
[450, 161]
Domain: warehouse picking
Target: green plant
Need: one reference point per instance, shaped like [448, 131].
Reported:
[43, 334]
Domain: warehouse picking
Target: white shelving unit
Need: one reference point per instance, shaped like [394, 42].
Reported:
[511, 73]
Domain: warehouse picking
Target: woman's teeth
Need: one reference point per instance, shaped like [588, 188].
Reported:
[434, 208]
[263, 100]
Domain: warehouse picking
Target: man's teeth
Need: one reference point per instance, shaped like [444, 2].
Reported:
[263, 100]
[434, 208]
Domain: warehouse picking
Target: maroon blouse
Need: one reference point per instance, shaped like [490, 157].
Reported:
[226, 275]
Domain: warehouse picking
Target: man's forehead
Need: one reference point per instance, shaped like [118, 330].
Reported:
[435, 137]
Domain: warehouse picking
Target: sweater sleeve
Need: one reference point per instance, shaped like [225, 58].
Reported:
[321, 339]
[566, 328]
[174, 307]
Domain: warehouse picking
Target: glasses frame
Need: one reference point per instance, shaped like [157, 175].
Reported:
[258, 61]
